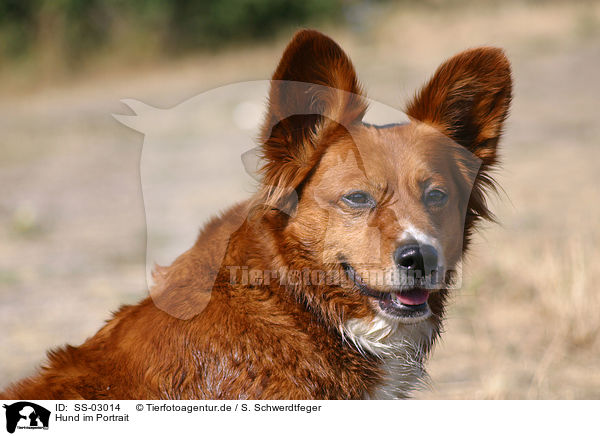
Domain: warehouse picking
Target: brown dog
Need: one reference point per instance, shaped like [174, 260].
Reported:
[357, 209]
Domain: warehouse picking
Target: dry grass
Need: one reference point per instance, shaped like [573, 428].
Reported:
[524, 325]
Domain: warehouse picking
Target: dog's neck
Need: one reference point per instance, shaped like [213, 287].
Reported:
[398, 349]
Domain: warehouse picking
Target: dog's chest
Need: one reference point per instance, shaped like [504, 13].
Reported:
[400, 378]
[400, 350]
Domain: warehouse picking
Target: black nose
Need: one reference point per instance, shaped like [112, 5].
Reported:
[419, 260]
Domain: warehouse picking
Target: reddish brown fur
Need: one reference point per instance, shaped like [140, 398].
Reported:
[276, 341]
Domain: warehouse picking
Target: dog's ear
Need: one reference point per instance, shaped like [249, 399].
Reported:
[467, 99]
[314, 92]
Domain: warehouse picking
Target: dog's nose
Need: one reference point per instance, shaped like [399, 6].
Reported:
[420, 260]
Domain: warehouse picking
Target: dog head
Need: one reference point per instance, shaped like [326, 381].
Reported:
[387, 211]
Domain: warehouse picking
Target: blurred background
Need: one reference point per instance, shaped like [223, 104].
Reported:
[526, 322]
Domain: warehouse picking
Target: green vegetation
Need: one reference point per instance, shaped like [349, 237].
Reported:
[67, 33]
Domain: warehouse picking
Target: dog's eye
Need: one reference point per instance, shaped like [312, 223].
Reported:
[435, 198]
[359, 199]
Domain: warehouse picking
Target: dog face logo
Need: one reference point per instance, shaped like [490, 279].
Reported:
[26, 415]
[394, 168]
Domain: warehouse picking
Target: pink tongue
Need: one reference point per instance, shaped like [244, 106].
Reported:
[414, 297]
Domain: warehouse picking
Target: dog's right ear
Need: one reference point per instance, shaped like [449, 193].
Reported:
[468, 99]
[314, 91]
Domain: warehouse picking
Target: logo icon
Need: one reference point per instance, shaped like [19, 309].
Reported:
[26, 415]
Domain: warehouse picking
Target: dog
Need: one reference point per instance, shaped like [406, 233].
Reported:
[382, 214]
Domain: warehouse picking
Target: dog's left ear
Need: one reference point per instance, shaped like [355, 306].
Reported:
[314, 94]
[467, 99]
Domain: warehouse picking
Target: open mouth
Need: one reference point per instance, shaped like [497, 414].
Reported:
[409, 304]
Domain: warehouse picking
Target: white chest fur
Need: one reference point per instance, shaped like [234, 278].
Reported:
[401, 349]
